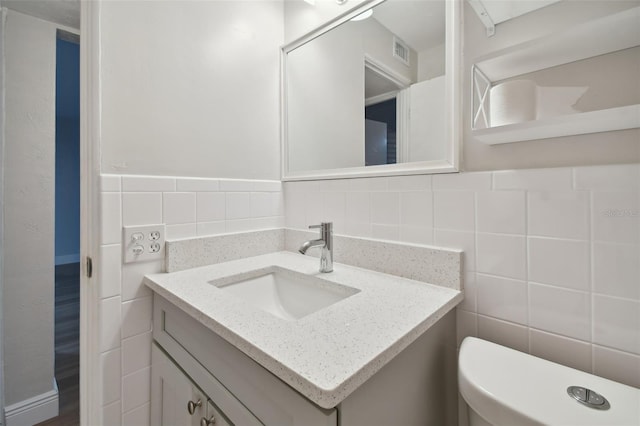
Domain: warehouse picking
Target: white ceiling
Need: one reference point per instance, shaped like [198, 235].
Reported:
[419, 23]
[63, 12]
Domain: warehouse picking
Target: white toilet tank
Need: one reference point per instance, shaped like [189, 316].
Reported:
[504, 387]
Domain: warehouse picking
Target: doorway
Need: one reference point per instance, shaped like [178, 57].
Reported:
[380, 133]
[67, 229]
[384, 107]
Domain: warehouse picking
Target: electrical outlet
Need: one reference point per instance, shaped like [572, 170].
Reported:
[143, 243]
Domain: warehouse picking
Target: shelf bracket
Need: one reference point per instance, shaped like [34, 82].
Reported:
[484, 16]
[481, 88]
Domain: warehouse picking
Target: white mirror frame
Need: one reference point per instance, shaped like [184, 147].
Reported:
[453, 94]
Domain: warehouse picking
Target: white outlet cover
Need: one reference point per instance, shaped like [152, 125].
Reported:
[131, 246]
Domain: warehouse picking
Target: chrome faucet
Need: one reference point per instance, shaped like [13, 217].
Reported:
[325, 242]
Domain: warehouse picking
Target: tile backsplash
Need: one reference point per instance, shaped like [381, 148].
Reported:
[190, 208]
[552, 256]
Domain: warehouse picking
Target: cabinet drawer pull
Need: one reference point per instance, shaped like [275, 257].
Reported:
[205, 422]
[191, 406]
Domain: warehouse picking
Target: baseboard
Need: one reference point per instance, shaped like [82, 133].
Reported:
[67, 258]
[33, 410]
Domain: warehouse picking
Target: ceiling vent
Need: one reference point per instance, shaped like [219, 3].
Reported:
[401, 51]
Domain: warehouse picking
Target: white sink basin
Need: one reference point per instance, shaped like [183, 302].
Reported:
[284, 293]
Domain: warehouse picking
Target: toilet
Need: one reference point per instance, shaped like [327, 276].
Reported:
[505, 387]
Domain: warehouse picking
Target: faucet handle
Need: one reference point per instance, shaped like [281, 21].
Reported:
[322, 225]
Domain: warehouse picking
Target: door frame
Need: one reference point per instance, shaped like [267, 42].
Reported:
[402, 96]
[90, 372]
[3, 14]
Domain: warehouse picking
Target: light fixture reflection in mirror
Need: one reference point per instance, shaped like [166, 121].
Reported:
[364, 15]
[370, 96]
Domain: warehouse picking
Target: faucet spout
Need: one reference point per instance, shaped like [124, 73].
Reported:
[325, 242]
[310, 244]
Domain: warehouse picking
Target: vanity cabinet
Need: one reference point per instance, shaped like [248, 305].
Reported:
[178, 399]
[192, 363]
[243, 390]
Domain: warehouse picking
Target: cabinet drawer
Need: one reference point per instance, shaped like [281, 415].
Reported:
[269, 399]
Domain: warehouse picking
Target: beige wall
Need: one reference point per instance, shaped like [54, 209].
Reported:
[600, 148]
[28, 273]
[191, 88]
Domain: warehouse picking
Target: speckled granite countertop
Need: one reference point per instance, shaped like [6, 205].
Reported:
[328, 354]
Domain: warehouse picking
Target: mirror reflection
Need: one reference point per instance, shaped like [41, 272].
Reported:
[369, 92]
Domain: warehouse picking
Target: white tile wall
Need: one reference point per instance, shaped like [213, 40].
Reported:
[110, 323]
[503, 255]
[110, 366]
[563, 263]
[551, 256]
[416, 209]
[138, 416]
[501, 212]
[534, 179]
[616, 323]
[148, 184]
[385, 208]
[136, 353]
[616, 365]
[615, 216]
[565, 312]
[238, 205]
[503, 332]
[502, 298]
[560, 214]
[189, 207]
[110, 218]
[454, 210]
[109, 270]
[141, 208]
[572, 353]
[197, 185]
[112, 414]
[616, 268]
[179, 208]
[136, 390]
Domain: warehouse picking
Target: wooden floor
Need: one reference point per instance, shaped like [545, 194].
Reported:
[67, 347]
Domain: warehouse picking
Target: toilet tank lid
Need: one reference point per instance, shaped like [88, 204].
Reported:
[508, 387]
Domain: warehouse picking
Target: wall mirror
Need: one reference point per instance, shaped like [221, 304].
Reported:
[374, 92]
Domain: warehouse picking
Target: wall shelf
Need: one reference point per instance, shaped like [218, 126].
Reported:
[607, 34]
[627, 117]
[604, 35]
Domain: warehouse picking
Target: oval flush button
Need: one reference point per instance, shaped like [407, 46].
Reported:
[588, 397]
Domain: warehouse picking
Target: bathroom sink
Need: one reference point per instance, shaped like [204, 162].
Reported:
[284, 293]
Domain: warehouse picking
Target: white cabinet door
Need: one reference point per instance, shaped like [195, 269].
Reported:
[175, 400]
